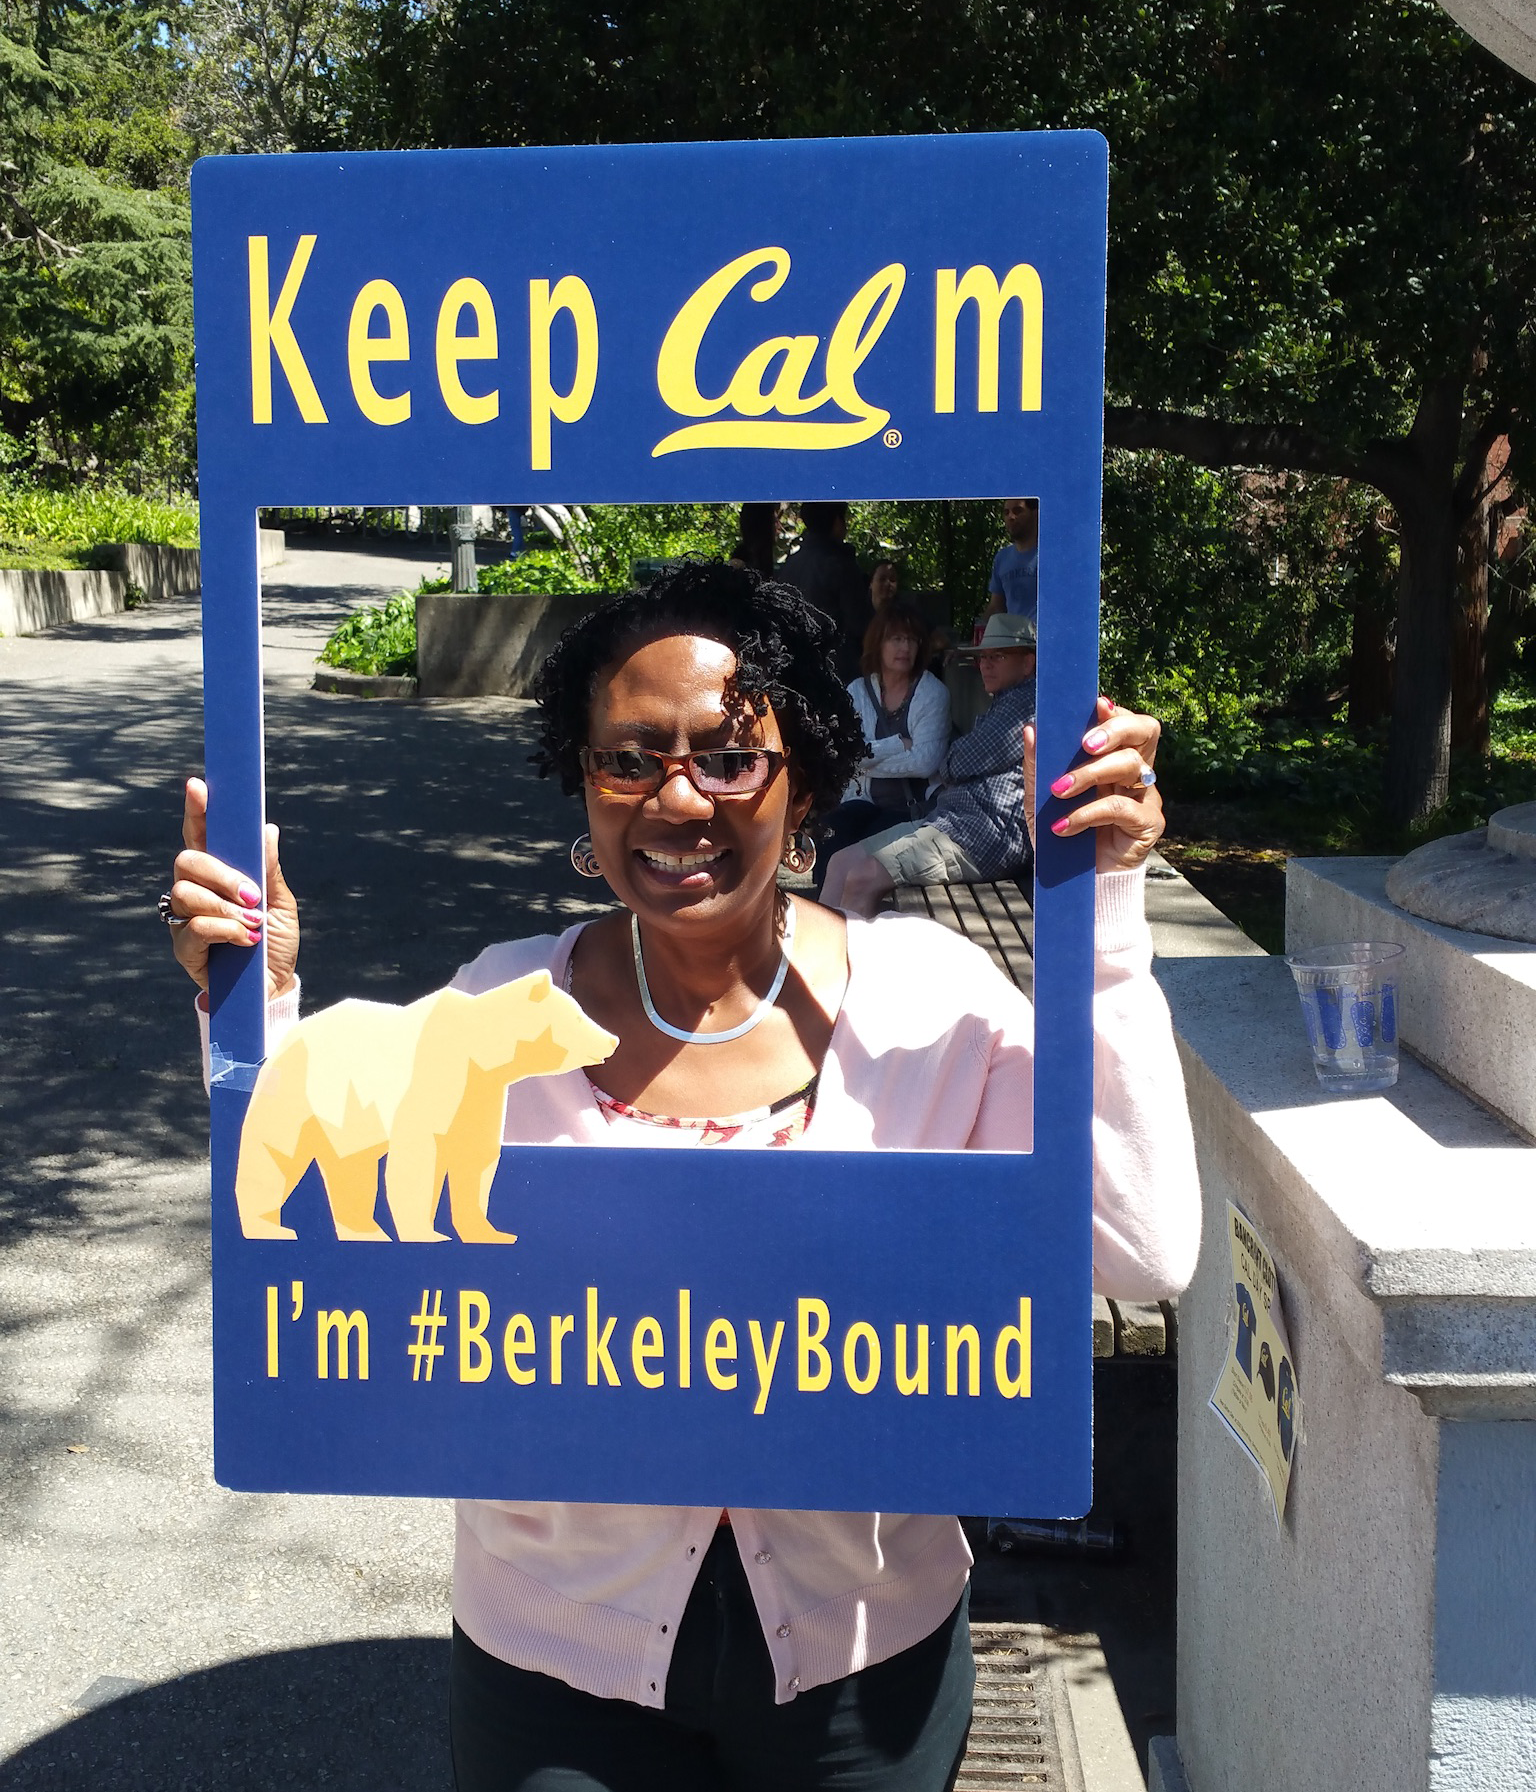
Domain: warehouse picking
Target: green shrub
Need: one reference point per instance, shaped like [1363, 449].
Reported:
[540, 570]
[26, 555]
[1329, 782]
[69, 523]
[381, 642]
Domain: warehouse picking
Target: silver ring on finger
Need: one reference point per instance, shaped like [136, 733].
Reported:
[168, 914]
[1148, 777]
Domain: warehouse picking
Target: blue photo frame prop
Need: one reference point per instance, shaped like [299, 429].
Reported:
[877, 318]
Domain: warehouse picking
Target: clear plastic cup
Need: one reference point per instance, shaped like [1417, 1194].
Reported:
[1349, 998]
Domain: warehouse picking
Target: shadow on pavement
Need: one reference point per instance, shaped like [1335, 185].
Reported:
[414, 836]
[367, 1716]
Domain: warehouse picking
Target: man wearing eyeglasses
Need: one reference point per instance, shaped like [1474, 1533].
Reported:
[977, 831]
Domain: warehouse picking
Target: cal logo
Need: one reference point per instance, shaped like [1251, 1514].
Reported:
[766, 395]
[766, 399]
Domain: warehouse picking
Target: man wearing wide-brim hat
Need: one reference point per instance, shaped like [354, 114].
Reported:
[976, 831]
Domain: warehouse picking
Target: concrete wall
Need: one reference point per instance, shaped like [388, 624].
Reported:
[157, 571]
[1383, 1639]
[171, 572]
[33, 601]
[1466, 1001]
[1485, 1644]
[489, 645]
[1304, 1652]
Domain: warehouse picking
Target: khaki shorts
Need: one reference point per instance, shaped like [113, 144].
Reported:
[917, 852]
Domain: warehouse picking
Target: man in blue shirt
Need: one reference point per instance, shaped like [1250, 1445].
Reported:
[977, 831]
[1014, 587]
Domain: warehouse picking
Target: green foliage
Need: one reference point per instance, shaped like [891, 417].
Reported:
[1315, 212]
[541, 570]
[605, 541]
[1320, 225]
[43, 528]
[602, 544]
[95, 301]
[943, 545]
[596, 557]
[1326, 783]
[264, 76]
[379, 641]
[1227, 595]
[1312, 210]
[538, 570]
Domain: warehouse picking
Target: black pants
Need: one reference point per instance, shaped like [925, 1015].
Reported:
[899, 1726]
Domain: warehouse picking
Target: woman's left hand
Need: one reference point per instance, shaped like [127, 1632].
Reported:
[1126, 811]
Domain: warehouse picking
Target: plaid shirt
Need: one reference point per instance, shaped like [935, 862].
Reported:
[981, 786]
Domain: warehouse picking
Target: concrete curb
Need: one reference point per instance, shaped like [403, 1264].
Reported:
[338, 682]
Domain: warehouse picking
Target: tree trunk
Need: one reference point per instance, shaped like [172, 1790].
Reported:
[1417, 474]
[1510, 599]
[1419, 746]
[1370, 635]
[1487, 502]
[1469, 646]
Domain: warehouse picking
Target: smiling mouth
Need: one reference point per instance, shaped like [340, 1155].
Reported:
[680, 864]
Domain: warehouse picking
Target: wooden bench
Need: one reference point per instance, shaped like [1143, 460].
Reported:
[998, 918]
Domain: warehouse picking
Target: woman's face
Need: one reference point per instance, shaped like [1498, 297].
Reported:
[898, 655]
[678, 856]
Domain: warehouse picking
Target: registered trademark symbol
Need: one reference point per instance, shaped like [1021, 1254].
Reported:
[892, 438]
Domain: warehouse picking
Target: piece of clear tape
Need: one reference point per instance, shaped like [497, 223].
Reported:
[228, 1073]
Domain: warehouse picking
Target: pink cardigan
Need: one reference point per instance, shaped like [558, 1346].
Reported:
[932, 1050]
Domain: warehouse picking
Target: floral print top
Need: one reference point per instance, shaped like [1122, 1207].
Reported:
[780, 1124]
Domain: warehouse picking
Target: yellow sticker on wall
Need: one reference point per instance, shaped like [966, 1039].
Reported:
[1256, 1396]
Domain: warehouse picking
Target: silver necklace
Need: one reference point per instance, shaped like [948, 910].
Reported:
[681, 1033]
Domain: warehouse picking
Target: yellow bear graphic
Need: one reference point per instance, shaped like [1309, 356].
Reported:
[426, 1084]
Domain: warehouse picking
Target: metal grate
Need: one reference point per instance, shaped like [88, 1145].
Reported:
[1021, 1732]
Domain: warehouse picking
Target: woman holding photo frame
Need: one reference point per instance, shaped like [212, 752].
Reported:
[629, 1648]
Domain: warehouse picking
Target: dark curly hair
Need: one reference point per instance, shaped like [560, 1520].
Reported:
[784, 658]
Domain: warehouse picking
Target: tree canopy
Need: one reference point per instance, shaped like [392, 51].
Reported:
[95, 303]
[1321, 227]
[1323, 230]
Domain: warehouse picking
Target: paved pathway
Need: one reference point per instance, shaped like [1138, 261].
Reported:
[280, 1641]
[283, 1641]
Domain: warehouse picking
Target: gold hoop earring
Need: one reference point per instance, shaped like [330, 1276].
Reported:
[584, 859]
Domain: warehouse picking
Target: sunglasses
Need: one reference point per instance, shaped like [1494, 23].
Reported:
[636, 771]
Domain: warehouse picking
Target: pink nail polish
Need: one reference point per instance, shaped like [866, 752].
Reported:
[1062, 785]
[1097, 741]
[253, 934]
[249, 895]
[1059, 827]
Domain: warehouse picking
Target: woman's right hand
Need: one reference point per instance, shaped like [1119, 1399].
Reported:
[223, 906]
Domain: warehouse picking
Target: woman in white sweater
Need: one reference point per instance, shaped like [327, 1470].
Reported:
[629, 1648]
[903, 711]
